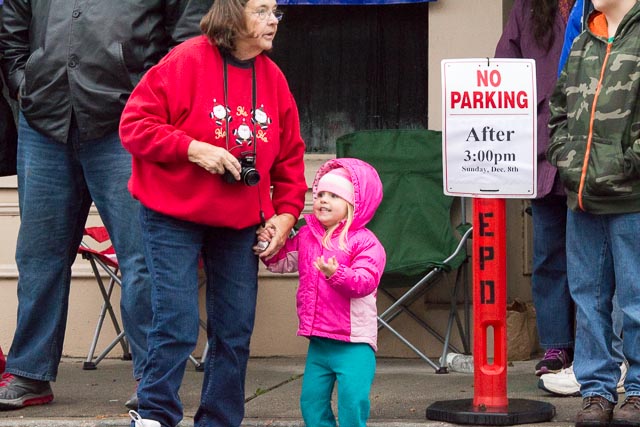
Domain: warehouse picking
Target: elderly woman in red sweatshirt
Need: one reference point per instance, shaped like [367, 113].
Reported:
[215, 138]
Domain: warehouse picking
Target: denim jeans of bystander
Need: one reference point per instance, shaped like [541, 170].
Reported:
[604, 257]
[56, 185]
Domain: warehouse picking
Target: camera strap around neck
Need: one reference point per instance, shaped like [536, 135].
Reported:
[225, 79]
[254, 91]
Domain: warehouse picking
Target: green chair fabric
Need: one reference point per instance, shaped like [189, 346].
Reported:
[413, 221]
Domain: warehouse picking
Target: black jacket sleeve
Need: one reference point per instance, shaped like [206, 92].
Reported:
[186, 23]
[14, 42]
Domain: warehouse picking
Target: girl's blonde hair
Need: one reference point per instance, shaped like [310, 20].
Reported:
[343, 240]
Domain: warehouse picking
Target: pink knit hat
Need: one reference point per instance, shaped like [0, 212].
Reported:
[337, 181]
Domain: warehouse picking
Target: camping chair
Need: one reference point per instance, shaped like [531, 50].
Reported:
[414, 224]
[102, 257]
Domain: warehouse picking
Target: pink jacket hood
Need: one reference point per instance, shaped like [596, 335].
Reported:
[367, 187]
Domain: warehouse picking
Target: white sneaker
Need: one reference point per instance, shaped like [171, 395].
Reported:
[564, 383]
[141, 422]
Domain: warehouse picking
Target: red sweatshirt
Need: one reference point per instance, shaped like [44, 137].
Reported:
[181, 99]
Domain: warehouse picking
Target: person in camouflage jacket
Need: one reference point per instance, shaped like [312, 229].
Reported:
[595, 144]
[595, 123]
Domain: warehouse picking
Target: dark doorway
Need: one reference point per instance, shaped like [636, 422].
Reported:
[355, 67]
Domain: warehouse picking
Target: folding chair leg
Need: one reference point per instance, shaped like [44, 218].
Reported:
[196, 363]
[199, 364]
[91, 363]
[404, 308]
[408, 344]
[445, 348]
[402, 305]
[402, 301]
[453, 315]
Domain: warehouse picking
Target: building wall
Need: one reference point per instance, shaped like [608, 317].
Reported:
[457, 28]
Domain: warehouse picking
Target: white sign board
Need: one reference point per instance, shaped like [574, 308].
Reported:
[489, 127]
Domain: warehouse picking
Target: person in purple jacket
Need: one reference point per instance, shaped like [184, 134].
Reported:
[536, 29]
[340, 263]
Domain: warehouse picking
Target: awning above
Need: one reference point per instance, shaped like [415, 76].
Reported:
[347, 2]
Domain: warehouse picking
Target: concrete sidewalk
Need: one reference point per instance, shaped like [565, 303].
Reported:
[402, 391]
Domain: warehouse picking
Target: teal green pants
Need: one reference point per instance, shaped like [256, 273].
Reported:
[352, 366]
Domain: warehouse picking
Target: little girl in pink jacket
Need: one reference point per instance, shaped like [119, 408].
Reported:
[340, 263]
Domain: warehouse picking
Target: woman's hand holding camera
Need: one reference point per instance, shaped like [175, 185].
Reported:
[213, 159]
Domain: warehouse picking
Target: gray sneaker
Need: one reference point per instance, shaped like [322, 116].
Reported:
[17, 392]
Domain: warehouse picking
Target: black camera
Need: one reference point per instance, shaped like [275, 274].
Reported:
[249, 175]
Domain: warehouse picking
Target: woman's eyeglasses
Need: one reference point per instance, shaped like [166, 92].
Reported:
[264, 14]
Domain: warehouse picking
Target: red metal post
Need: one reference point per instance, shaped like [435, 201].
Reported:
[490, 405]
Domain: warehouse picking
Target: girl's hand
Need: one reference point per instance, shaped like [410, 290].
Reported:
[279, 227]
[265, 235]
[327, 268]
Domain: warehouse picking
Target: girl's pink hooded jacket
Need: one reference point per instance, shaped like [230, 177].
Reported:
[342, 307]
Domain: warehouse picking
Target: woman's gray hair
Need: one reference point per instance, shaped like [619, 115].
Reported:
[224, 22]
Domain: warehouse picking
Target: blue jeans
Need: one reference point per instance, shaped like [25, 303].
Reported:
[56, 185]
[555, 312]
[173, 248]
[604, 257]
[352, 366]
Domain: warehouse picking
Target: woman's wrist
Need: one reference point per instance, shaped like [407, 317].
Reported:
[286, 222]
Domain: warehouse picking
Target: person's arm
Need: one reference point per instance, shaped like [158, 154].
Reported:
[632, 160]
[287, 173]
[145, 129]
[14, 42]
[183, 18]
[286, 259]
[558, 121]
[362, 277]
[280, 226]
[574, 28]
[509, 44]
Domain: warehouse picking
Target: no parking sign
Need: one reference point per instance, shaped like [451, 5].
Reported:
[489, 127]
[489, 154]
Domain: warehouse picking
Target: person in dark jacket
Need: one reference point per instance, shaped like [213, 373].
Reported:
[72, 66]
[535, 30]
